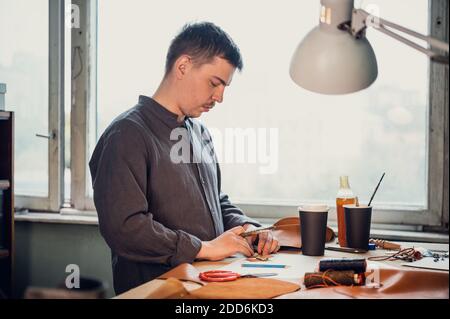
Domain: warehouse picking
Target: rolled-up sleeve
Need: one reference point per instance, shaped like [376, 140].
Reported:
[119, 172]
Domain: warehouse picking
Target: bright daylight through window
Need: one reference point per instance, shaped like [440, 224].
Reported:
[278, 143]
[24, 65]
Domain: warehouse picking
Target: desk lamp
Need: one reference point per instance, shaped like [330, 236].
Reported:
[336, 57]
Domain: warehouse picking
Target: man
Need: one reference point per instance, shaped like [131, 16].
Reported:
[155, 211]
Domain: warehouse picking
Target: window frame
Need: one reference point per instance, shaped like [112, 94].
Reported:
[54, 199]
[83, 94]
[437, 186]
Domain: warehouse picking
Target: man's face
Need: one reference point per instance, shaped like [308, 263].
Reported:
[203, 86]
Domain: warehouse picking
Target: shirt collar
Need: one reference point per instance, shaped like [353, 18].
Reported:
[167, 117]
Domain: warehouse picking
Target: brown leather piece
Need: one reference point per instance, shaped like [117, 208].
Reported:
[184, 272]
[245, 288]
[395, 284]
[289, 234]
[172, 288]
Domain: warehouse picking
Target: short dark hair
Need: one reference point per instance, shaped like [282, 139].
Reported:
[203, 41]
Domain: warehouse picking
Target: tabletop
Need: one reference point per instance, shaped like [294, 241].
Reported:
[299, 265]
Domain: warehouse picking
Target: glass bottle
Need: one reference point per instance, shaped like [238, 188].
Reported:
[344, 196]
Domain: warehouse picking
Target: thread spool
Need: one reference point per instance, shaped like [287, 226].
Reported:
[333, 278]
[342, 264]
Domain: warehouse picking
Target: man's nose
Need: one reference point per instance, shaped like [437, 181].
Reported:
[218, 94]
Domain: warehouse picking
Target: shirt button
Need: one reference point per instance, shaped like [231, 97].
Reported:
[203, 181]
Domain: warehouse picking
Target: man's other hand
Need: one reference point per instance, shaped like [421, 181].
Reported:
[226, 245]
[267, 242]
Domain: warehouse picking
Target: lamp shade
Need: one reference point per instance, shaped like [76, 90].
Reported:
[331, 61]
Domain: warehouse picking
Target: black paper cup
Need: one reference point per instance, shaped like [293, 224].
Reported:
[357, 223]
[313, 229]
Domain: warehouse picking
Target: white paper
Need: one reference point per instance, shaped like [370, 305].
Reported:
[429, 263]
[297, 265]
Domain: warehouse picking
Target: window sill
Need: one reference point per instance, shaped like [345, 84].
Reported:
[70, 216]
[64, 217]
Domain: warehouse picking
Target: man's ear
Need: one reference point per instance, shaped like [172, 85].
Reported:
[182, 65]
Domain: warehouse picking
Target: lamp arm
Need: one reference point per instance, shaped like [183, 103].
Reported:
[362, 19]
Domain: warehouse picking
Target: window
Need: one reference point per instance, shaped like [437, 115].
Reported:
[315, 138]
[31, 66]
[24, 64]
[278, 144]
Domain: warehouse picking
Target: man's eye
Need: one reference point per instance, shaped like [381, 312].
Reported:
[213, 84]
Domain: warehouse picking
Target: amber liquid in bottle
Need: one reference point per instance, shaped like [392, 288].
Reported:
[345, 196]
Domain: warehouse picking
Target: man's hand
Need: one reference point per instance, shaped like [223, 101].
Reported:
[227, 244]
[267, 242]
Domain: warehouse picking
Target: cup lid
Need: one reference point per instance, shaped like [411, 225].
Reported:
[317, 208]
[356, 207]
